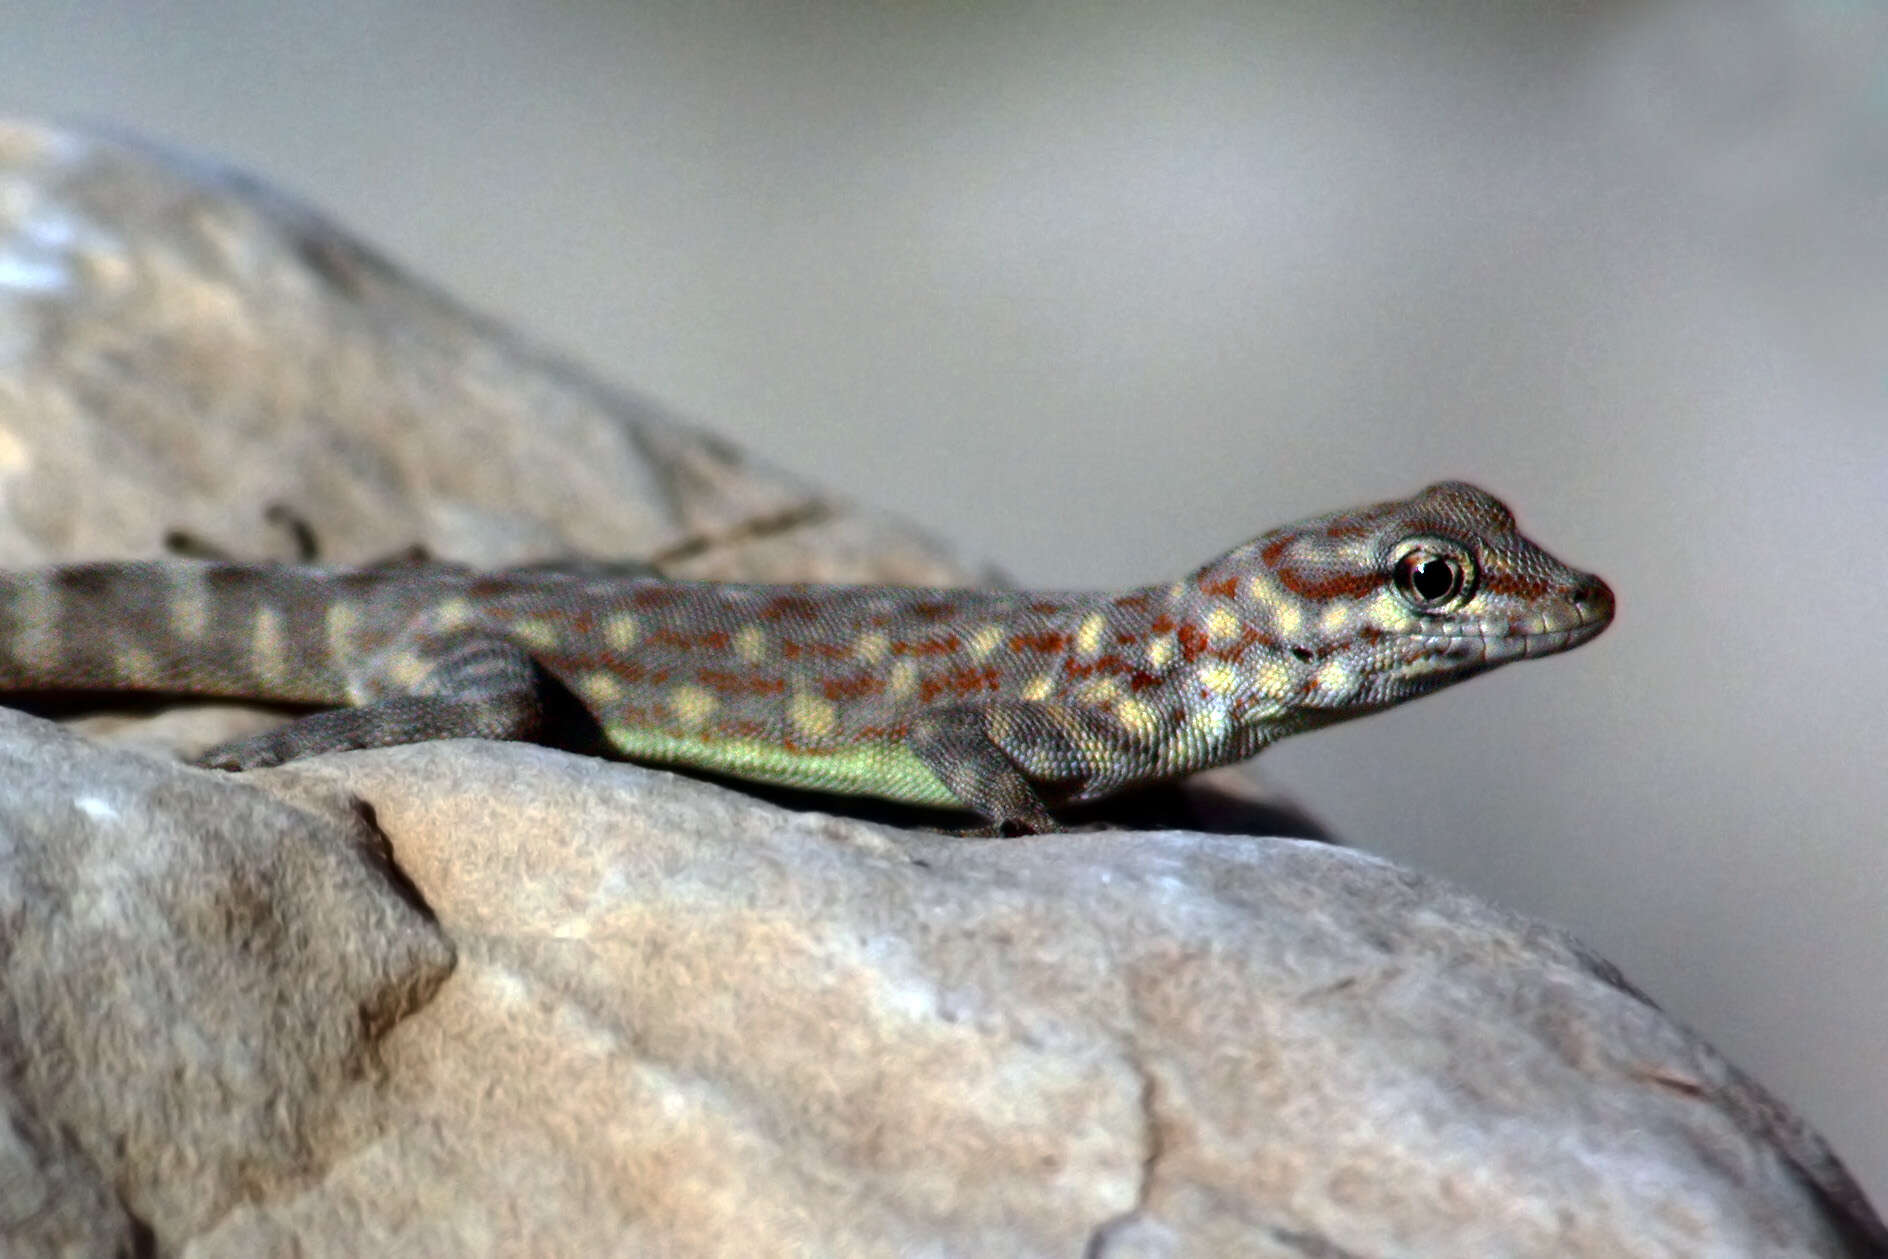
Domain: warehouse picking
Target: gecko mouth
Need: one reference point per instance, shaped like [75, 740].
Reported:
[1548, 641]
[1498, 646]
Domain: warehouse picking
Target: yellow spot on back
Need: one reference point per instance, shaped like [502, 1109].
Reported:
[691, 705]
[1286, 618]
[903, 682]
[1088, 637]
[1260, 588]
[1101, 690]
[1222, 625]
[536, 633]
[1218, 677]
[985, 639]
[189, 603]
[266, 649]
[1335, 677]
[338, 625]
[750, 644]
[811, 716]
[600, 688]
[1335, 620]
[35, 608]
[1137, 717]
[453, 613]
[621, 631]
[1160, 650]
[408, 669]
[1210, 720]
[1039, 687]
[872, 646]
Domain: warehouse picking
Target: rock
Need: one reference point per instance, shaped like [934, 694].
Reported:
[196, 975]
[684, 1021]
[688, 1023]
[1101, 1044]
[53, 1201]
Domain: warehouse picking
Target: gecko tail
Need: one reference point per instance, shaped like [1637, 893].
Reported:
[171, 627]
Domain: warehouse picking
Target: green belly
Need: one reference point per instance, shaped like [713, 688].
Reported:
[887, 770]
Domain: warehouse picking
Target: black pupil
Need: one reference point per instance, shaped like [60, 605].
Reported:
[1432, 580]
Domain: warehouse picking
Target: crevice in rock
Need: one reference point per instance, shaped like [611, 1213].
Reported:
[1154, 1146]
[772, 525]
[1313, 1245]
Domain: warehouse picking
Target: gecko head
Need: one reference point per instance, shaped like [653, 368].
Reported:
[1372, 606]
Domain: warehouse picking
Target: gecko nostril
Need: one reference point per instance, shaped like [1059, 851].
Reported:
[1596, 598]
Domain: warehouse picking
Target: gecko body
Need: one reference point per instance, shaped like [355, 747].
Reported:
[1010, 704]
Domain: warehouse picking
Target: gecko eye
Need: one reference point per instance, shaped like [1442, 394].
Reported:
[1432, 574]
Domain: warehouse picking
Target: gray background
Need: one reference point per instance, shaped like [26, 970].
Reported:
[1096, 293]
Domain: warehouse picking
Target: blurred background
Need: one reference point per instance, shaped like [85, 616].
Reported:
[1096, 291]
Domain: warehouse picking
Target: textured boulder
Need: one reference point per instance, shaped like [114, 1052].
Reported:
[196, 974]
[689, 1023]
[479, 998]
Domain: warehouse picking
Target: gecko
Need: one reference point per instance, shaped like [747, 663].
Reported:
[1004, 703]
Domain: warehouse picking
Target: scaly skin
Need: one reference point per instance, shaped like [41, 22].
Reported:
[1007, 703]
